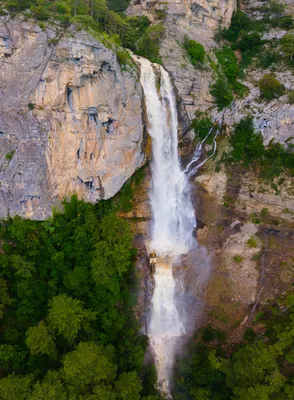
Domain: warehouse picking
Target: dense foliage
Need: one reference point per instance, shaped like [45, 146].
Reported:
[230, 68]
[270, 87]
[195, 51]
[66, 307]
[222, 92]
[98, 17]
[248, 149]
[261, 368]
[118, 5]
[201, 124]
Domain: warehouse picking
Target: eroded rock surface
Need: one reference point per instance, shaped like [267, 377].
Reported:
[70, 119]
[199, 20]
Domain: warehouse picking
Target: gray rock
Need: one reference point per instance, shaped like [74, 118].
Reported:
[70, 119]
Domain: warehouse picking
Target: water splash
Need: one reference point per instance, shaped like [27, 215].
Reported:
[173, 218]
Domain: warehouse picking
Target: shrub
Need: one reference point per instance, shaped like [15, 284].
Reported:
[252, 242]
[247, 144]
[270, 87]
[291, 97]
[240, 21]
[286, 22]
[274, 9]
[238, 259]
[195, 51]
[10, 155]
[228, 62]
[222, 92]
[124, 58]
[268, 58]
[250, 42]
[248, 149]
[264, 213]
[288, 45]
[230, 68]
[276, 160]
[148, 45]
[201, 124]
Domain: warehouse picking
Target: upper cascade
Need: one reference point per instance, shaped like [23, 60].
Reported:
[172, 210]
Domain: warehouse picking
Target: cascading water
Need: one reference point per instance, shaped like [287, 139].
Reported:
[173, 219]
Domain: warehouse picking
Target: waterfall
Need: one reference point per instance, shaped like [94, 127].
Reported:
[173, 219]
[172, 211]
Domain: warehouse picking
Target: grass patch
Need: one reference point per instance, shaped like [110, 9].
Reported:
[252, 242]
[238, 259]
[9, 155]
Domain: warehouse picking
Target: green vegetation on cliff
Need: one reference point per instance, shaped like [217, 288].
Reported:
[66, 307]
[195, 51]
[96, 16]
[248, 149]
[259, 368]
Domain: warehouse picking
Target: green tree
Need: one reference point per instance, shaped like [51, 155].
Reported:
[148, 44]
[111, 258]
[195, 51]
[51, 388]
[4, 297]
[247, 144]
[222, 92]
[11, 357]
[87, 365]
[274, 9]
[15, 387]
[240, 22]
[67, 315]
[118, 5]
[40, 341]
[128, 386]
[270, 87]
[288, 45]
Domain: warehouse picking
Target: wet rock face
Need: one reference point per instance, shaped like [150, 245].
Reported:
[70, 119]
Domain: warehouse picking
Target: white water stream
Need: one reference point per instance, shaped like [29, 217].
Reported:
[173, 219]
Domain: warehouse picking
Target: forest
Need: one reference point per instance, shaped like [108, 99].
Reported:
[67, 292]
[67, 330]
[103, 19]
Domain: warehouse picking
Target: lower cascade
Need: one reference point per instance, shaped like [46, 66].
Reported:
[173, 218]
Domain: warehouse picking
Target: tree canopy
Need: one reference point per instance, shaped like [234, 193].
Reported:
[66, 306]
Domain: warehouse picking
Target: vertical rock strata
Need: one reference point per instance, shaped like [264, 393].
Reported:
[70, 119]
[199, 20]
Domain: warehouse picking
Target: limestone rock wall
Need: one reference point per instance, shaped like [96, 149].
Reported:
[70, 119]
[199, 20]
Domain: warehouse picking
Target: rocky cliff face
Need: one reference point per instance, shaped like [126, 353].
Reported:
[70, 119]
[199, 20]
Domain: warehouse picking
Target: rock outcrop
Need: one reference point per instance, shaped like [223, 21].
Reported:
[198, 20]
[274, 118]
[70, 119]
